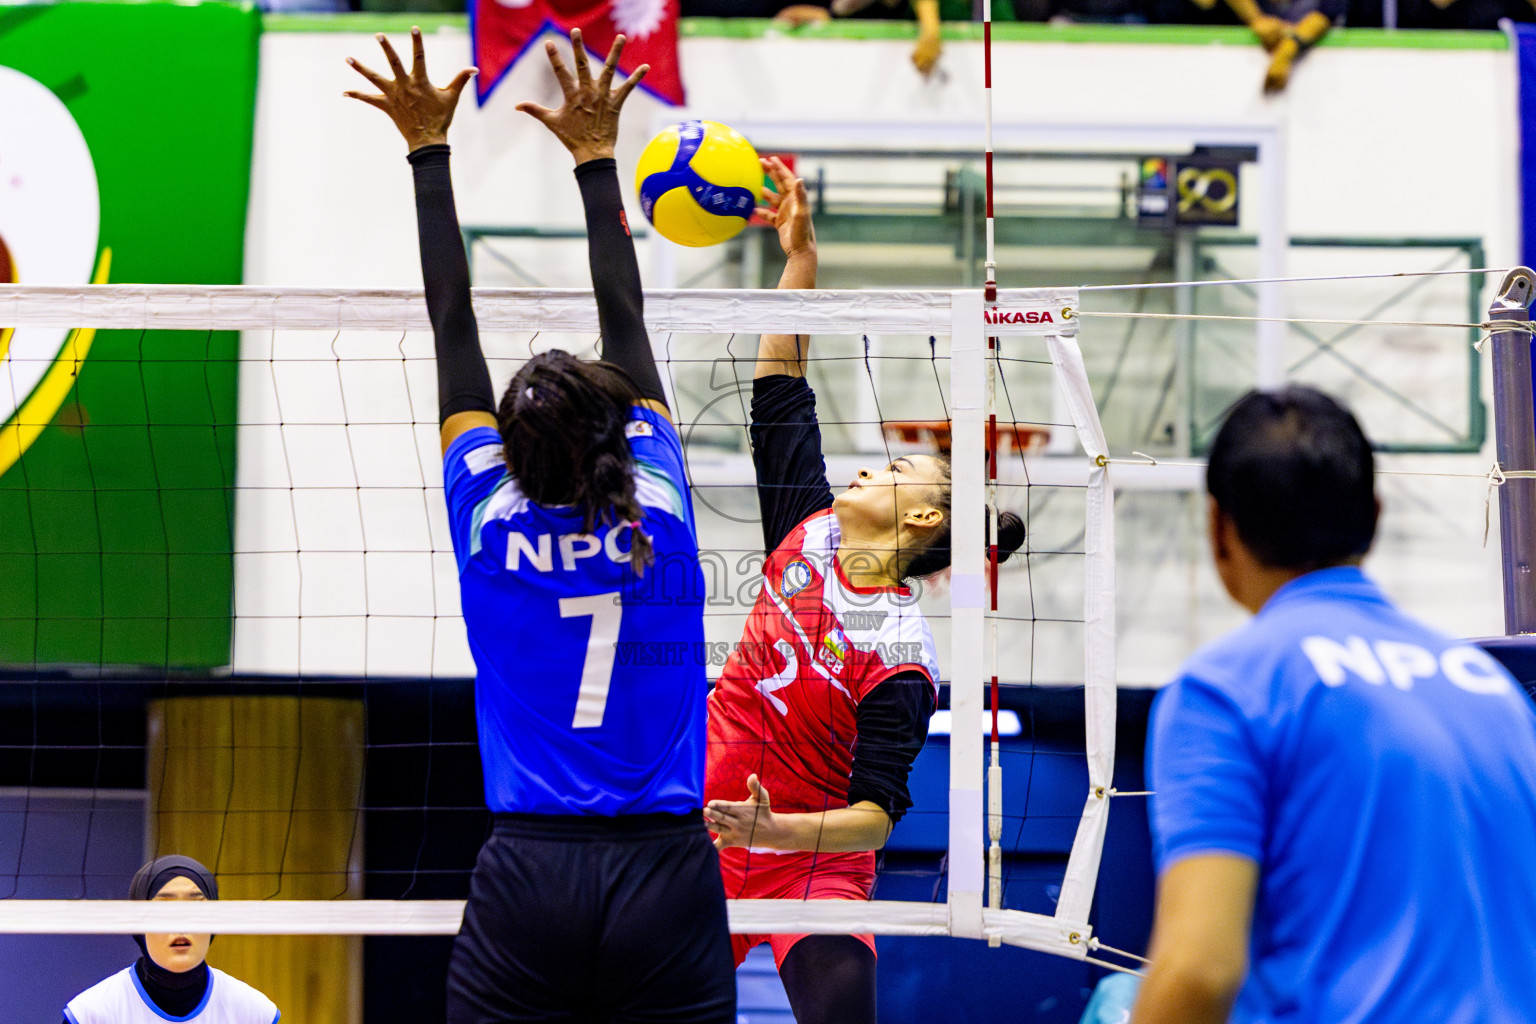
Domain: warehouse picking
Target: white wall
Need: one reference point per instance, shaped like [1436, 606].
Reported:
[1380, 142]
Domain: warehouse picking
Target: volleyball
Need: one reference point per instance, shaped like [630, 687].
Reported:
[698, 182]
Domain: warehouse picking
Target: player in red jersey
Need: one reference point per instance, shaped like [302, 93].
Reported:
[825, 703]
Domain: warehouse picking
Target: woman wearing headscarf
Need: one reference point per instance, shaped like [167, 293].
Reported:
[171, 980]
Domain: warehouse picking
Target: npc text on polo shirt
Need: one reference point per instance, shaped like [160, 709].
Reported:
[1380, 662]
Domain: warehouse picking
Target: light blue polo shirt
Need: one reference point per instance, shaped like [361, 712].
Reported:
[1383, 777]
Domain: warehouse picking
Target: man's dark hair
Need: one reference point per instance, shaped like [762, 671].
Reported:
[1294, 471]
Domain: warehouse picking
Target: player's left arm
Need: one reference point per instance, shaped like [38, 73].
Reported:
[587, 124]
[892, 728]
[1199, 948]
[422, 113]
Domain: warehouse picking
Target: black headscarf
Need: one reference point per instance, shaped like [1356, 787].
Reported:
[151, 878]
[176, 993]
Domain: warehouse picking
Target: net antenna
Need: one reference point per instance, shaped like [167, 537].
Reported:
[968, 318]
[995, 768]
[1099, 586]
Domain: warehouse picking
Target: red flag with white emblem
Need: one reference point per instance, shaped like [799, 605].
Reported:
[502, 31]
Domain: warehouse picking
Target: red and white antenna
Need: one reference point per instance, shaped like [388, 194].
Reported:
[995, 769]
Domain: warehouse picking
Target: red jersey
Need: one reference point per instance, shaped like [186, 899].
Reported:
[785, 707]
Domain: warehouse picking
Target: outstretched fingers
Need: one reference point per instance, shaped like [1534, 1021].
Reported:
[801, 197]
[392, 57]
[534, 110]
[562, 73]
[579, 55]
[605, 79]
[628, 85]
[785, 185]
[779, 174]
[418, 54]
[460, 80]
[369, 98]
[768, 210]
[378, 81]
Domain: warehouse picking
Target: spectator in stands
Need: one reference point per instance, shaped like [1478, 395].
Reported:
[1286, 28]
[1287, 31]
[930, 15]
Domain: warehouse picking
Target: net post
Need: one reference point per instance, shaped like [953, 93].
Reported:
[1514, 414]
[968, 597]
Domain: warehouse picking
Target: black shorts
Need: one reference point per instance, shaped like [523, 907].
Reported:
[586, 919]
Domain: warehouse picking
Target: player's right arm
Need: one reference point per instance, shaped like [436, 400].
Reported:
[422, 112]
[587, 124]
[788, 210]
[786, 438]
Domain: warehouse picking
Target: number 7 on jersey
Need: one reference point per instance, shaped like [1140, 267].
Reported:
[597, 666]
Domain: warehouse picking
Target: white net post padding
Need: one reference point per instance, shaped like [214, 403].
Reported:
[958, 314]
[968, 617]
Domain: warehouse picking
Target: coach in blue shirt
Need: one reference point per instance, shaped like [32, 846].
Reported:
[1345, 811]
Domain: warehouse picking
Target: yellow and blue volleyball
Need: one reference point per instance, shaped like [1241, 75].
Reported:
[699, 182]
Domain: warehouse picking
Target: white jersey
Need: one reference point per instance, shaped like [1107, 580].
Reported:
[121, 999]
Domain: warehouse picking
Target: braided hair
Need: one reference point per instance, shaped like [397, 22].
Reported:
[562, 424]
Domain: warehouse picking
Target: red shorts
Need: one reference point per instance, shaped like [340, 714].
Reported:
[792, 881]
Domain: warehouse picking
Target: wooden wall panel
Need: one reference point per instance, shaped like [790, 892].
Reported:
[267, 791]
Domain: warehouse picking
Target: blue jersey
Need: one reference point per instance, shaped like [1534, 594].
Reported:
[589, 683]
[1383, 777]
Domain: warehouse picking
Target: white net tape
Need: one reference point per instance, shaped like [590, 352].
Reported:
[238, 307]
[1041, 313]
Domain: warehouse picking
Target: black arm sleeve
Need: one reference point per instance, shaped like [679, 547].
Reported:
[616, 277]
[893, 726]
[463, 380]
[786, 452]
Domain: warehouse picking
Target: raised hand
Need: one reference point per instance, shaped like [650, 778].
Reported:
[588, 121]
[788, 209]
[419, 109]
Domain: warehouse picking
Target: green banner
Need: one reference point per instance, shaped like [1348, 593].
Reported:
[125, 156]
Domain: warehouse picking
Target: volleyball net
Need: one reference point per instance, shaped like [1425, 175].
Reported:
[229, 624]
[231, 611]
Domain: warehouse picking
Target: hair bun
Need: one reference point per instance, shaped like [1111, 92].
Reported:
[1010, 535]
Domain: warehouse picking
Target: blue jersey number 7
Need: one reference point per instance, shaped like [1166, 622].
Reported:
[597, 667]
